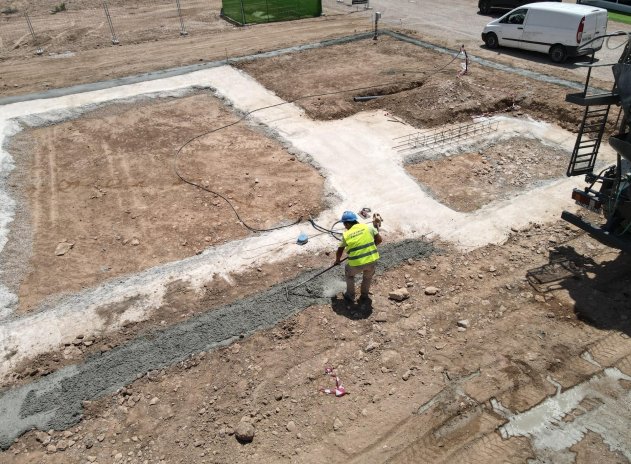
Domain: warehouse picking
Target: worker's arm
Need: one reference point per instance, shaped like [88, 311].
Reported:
[338, 255]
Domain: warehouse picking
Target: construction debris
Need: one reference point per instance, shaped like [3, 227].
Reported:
[399, 294]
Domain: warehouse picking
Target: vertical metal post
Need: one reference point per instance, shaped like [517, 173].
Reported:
[109, 22]
[39, 51]
[589, 73]
[179, 13]
[242, 13]
[377, 16]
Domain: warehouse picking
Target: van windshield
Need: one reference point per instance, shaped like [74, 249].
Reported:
[515, 17]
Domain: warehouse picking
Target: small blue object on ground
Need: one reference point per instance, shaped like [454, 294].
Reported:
[302, 238]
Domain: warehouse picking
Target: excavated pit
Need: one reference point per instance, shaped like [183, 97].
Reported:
[420, 86]
[494, 171]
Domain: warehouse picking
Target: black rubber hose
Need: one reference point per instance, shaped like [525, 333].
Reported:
[247, 226]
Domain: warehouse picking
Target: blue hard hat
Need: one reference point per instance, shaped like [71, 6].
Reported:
[349, 216]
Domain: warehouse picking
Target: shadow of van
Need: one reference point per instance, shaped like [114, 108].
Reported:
[526, 55]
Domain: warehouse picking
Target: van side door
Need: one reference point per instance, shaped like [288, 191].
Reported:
[512, 28]
[542, 30]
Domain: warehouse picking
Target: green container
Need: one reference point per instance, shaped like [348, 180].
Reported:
[265, 11]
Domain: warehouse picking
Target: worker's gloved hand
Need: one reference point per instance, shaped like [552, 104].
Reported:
[376, 220]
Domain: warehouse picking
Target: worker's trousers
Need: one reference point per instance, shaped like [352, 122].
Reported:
[367, 271]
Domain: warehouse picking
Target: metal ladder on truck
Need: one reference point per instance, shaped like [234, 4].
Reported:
[608, 191]
[597, 106]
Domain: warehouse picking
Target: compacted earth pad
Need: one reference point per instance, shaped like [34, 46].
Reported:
[100, 197]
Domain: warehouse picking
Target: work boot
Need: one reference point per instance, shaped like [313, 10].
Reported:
[365, 303]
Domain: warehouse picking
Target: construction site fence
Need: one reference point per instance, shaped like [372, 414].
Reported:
[57, 27]
[264, 11]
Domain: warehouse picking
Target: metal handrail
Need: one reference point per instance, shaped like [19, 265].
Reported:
[593, 52]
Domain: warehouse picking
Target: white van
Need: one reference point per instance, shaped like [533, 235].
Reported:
[558, 29]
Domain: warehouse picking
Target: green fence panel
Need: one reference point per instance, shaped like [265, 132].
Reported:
[232, 10]
[263, 11]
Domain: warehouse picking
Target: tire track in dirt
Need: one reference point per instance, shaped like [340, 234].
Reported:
[491, 449]
[444, 433]
[107, 151]
[38, 186]
[129, 184]
[610, 349]
[53, 198]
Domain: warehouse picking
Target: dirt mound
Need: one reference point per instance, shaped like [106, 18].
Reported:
[423, 87]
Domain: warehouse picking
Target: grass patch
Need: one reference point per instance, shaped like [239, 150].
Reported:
[58, 8]
[263, 11]
[619, 17]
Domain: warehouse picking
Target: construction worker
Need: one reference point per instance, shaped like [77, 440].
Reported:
[360, 242]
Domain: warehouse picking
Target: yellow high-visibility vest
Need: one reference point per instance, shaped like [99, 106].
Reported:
[360, 245]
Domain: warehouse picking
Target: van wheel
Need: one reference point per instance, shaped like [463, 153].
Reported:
[485, 6]
[491, 40]
[558, 54]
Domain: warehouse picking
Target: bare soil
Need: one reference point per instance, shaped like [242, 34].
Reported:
[82, 25]
[468, 181]
[419, 379]
[27, 72]
[420, 86]
[516, 339]
[593, 449]
[105, 183]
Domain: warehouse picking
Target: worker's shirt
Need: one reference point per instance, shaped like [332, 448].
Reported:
[359, 242]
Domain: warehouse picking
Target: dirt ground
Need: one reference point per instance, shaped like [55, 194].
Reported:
[23, 72]
[113, 211]
[391, 363]
[104, 186]
[514, 323]
[468, 181]
[29, 73]
[419, 86]
[82, 26]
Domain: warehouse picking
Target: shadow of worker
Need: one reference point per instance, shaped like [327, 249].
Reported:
[353, 311]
